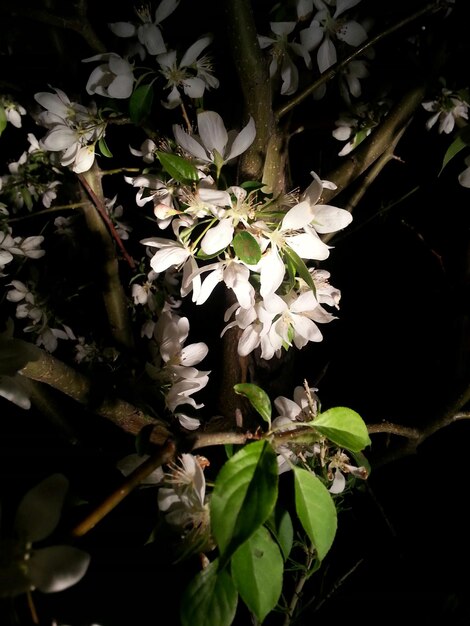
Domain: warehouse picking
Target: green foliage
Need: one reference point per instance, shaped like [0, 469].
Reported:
[103, 147]
[316, 510]
[258, 398]
[280, 525]
[210, 599]
[257, 569]
[3, 119]
[246, 248]
[298, 263]
[461, 141]
[244, 495]
[344, 427]
[140, 103]
[178, 168]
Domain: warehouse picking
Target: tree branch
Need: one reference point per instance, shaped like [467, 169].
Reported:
[49, 370]
[113, 293]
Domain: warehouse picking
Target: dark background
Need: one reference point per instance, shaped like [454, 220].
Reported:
[398, 352]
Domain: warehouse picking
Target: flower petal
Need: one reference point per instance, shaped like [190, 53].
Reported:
[218, 237]
[329, 219]
[212, 131]
[243, 140]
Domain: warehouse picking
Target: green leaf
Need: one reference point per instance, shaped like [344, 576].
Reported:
[258, 398]
[455, 147]
[103, 147]
[302, 269]
[246, 248]
[316, 510]
[280, 525]
[3, 119]
[210, 598]
[140, 103]
[178, 168]
[257, 569]
[251, 185]
[244, 495]
[344, 427]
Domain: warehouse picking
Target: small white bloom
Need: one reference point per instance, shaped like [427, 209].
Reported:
[281, 60]
[148, 32]
[326, 26]
[446, 108]
[214, 144]
[180, 76]
[113, 79]
[13, 111]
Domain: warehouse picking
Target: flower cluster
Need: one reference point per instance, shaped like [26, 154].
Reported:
[328, 24]
[448, 108]
[258, 248]
[35, 176]
[18, 246]
[175, 366]
[28, 307]
[330, 462]
[73, 129]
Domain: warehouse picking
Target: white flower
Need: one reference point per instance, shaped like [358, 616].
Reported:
[183, 498]
[147, 151]
[181, 75]
[303, 408]
[340, 465]
[214, 144]
[446, 109]
[163, 195]
[171, 332]
[73, 130]
[49, 569]
[234, 274]
[255, 322]
[13, 111]
[113, 79]
[148, 32]
[281, 60]
[294, 319]
[326, 26]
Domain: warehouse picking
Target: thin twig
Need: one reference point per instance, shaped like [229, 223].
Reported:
[100, 207]
[299, 586]
[334, 69]
[159, 458]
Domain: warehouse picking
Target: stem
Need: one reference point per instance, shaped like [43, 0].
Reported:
[101, 208]
[161, 457]
[299, 586]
